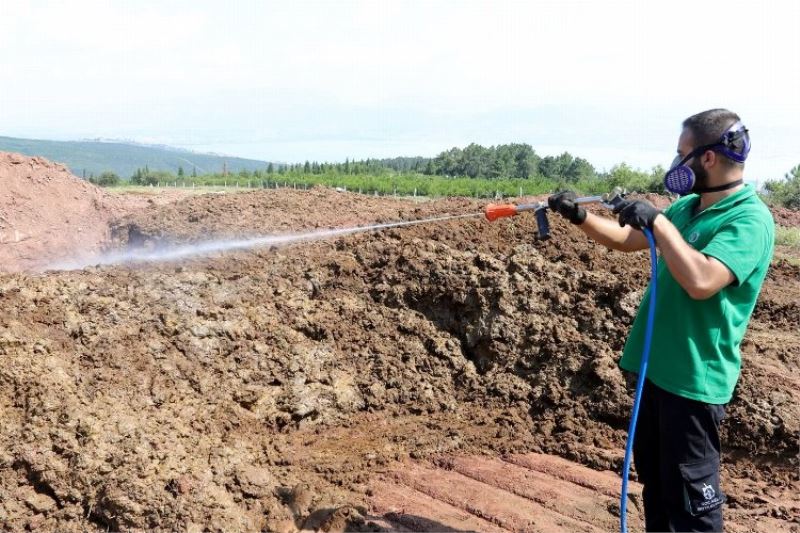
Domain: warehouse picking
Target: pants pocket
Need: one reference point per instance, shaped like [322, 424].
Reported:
[701, 488]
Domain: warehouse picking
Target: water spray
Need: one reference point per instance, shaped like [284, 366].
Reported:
[209, 247]
[492, 212]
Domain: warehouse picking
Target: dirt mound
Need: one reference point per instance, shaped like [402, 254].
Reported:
[269, 212]
[47, 213]
[786, 217]
[257, 389]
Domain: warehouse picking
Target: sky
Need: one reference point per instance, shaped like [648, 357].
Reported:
[290, 81]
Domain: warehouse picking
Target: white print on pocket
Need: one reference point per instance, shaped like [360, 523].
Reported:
[708, 491]
[693, 238]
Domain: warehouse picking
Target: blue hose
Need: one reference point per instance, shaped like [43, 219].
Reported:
[648, 336]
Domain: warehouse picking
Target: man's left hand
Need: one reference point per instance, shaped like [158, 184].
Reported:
[637, 214]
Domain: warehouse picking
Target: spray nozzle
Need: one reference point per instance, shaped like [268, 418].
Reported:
[495, 211]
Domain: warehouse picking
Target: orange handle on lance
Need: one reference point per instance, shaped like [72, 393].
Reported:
[495, 211]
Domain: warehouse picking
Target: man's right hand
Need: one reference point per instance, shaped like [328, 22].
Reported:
[564, 204]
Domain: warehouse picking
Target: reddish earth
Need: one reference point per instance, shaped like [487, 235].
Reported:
[456, 376]
[529, 492]
[786, 217]
[46, 213]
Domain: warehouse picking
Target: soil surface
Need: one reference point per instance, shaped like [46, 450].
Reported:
[47, 214]
[786, 217]
[363, 383]
[519, 492]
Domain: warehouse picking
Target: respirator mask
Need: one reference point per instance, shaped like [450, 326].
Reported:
[682, 179]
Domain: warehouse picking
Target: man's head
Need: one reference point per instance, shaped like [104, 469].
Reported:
[716, 164]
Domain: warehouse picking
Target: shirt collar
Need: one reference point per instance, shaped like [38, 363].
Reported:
[729, 201]
[739, 196]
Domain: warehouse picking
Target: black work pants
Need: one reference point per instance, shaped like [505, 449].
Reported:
[676, 451]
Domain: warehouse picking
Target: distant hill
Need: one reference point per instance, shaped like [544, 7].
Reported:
[95, 157]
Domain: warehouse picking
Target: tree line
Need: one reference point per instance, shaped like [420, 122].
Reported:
[506, 169]
[505, 161]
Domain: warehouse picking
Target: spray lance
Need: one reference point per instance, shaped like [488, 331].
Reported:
[610, 201]
[495, 211]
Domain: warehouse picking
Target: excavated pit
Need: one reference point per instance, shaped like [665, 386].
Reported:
[276, 387]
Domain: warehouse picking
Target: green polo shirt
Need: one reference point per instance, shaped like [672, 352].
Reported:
[695, 348]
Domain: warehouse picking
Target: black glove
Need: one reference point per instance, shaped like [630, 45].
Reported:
[636, 213]
[564, 204]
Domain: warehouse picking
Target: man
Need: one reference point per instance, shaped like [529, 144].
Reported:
[715, 244]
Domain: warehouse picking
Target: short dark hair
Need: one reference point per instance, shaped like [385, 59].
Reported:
[707, 128]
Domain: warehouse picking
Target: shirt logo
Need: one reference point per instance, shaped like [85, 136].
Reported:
[694, 236]
[708, 491]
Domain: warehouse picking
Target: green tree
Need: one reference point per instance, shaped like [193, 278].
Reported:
[108, 179]
[785, 192]
[449, 163]
[477, 161]
[548, 167]
[502, 162]
[557, 167]
[526, 161]
[579, 169]
[136, 177]
[626, 177]
[180, 171]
